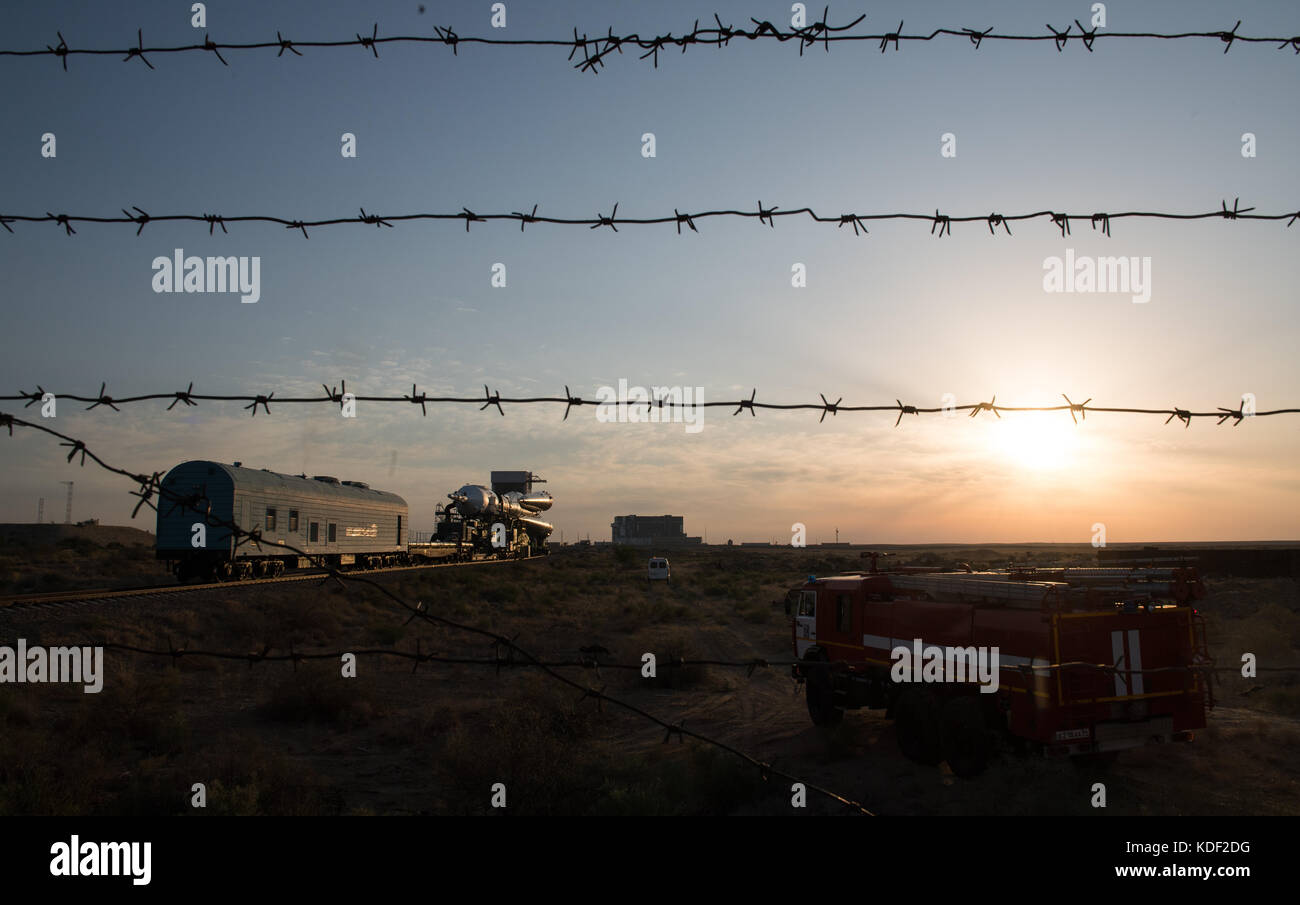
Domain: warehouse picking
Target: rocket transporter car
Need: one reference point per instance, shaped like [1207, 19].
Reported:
[1103, 660]
[483, 519]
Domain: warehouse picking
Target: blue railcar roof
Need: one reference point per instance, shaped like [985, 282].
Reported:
[260, 480]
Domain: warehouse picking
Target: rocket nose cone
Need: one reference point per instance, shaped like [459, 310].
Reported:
[474, 499]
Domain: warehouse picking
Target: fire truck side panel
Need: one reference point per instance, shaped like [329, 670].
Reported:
[942, 624]
[1024, 642]
[1131, 705]
[877, 630]
[839, 619]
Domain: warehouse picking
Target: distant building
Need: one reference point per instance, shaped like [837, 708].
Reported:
[650, 531]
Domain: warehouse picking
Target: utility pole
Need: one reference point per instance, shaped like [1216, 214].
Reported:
[67, 512]
[40, 511]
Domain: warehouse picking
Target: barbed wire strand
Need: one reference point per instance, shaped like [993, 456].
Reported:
[596, 49]
[940, 223]
[594, 662]
[151, 487]
[492, 399]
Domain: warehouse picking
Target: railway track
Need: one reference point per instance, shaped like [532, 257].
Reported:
[80, 598]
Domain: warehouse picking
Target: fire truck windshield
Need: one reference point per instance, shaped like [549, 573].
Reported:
[808, 604]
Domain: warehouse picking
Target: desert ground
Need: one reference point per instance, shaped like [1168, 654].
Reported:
[269, 738]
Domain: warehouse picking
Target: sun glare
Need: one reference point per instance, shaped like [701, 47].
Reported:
[1036, 442]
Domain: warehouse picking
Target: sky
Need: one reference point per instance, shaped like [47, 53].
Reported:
[895, 314]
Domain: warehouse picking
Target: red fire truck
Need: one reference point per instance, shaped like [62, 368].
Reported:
[1089, 667]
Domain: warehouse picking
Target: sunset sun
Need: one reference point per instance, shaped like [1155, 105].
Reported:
[1034, 442]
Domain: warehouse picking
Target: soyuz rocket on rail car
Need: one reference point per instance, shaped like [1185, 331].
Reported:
[511, 501]
[474, 501]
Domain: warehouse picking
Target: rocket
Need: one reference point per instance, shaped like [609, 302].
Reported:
[474, 501]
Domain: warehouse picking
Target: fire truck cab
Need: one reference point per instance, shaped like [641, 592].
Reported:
[958, 660]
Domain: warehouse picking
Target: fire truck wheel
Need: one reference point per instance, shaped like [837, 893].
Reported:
[916, 723]
[821, 706]
[1099, 762]
[964, 736]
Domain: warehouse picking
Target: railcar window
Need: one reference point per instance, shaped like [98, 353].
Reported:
[843, 613]
[313, 533]
[333, 532]
[270, 518]
[293, 521]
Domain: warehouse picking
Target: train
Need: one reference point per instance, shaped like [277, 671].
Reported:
[309, 522]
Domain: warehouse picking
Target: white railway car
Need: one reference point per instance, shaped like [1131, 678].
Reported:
[345, 522]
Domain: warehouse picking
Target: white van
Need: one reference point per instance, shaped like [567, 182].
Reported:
[659, 570]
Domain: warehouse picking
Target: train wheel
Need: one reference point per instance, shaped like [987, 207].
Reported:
[965, 736]
[821, 695]
[916, 722]
[226, 571]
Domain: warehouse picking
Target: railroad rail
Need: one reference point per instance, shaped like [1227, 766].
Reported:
[77, 598]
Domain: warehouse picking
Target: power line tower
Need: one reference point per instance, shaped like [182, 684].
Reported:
[67, 512]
